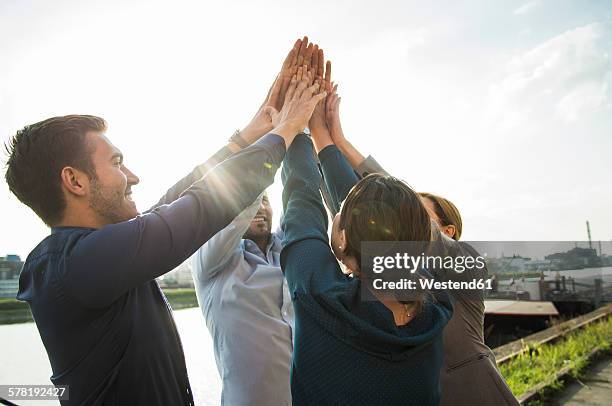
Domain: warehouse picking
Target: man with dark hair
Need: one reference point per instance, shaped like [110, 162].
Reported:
[58, 142]
[107, 327]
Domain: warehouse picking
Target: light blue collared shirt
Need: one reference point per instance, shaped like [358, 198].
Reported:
[247, 307]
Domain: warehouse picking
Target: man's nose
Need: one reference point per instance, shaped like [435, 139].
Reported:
[131, 178]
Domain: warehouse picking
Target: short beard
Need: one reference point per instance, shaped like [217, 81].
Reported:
[257, 237]
[108, 208]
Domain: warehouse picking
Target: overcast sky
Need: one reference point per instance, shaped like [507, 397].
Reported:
[503, 107]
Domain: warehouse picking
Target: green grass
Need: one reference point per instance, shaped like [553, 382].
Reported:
[12, 304]
[181, 298]
[541, 363]
[15, 316]
[15, 311]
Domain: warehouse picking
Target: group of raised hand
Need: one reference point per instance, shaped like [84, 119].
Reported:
[301, 96]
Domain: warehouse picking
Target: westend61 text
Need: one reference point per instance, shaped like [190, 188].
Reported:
[431, 284]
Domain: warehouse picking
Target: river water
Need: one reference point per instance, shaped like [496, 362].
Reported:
[25, 362]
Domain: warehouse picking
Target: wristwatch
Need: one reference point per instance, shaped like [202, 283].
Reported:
[237, 139]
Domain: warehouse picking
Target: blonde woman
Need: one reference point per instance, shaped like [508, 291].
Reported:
[444, 213]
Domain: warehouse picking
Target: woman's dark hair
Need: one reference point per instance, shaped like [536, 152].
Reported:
[37, 155]
[383, 208]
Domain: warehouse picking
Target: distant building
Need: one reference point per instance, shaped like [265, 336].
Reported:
[179, 277]
[576, 258]
[515, 263]
[540, 265]
[10, 267]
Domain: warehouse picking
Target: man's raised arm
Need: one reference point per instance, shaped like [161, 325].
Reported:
[104, 264]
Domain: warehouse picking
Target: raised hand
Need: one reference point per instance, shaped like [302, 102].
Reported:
[289, 69]
[300, 101]
[261, 123]
[332, 116]
[317, 122]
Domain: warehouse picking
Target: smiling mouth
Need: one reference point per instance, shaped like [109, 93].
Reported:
[260, 219]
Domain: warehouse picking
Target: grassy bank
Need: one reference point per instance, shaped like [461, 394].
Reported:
[13, 311]
[540, 364]
[181, 298]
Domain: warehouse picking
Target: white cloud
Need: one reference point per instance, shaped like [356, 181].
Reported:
[567, 75]
[527, 8]
[589, 97]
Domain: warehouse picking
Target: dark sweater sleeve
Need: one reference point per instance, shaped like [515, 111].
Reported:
[338, 175]
[106, 263]
[306, 257]
[198, 172]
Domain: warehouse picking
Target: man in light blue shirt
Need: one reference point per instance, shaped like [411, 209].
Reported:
[243, 293]
[246, 304]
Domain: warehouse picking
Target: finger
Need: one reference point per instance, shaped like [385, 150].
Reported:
[309, 91]
[308, 55]
[329, 105]
[328, 71]
[272, 114]
[275, 91]
[299, 73]
[291, 89]
[270, 111]
[336, 105]
[302, 51]
[316, 99]
[319, 83]
[296, 51]
[321, 63]
[306, 73]
[289, 58]
[301, 86]
[311, 76]
[286, 80]
[315, 58]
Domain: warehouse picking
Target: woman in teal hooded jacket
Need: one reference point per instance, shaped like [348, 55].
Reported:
[349, 350]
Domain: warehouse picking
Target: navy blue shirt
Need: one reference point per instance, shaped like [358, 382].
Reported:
[107, 327]
[347, 351]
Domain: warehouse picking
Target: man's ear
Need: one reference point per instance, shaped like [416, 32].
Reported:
[75, 181]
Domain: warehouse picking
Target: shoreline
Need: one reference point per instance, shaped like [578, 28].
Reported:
[13, 311]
